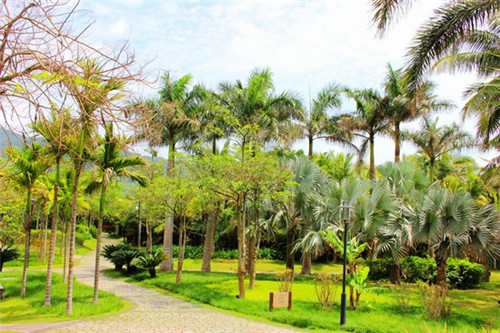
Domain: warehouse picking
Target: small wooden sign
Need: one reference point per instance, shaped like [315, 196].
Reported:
[280, 300]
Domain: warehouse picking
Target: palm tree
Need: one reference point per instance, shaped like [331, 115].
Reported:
[370, 119]
[462, 35]
[93, 94]
[434, 141]
[443, 221]
[317, 124]
[54, 132]
[28, 165]
[110, 165]
[168, 121]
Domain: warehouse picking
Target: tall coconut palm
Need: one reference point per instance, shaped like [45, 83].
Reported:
[462, 35]
[28, 165]
[93, 94]
[110, 165]
[434, 141]
[318, 124]
[167, 121]
[54, 132]
[369, 119]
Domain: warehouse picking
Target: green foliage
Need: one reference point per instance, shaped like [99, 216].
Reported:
[462, 274]
[380, 269]
[225, 254]
[125, 257]
[285, 280]
[326, 289]
[435, 300]
[402, 293]
[7, 253]
[357, 280]
[415, 269]
[150, 260]
[108, 250]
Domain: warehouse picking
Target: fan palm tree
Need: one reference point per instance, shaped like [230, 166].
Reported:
[462, 35]
[369, 119]
[317, 124]
[443, 221]
[434, 141]
[93, 94]
[28, 165]
[168, 120]
[54, 132]
[110, 165]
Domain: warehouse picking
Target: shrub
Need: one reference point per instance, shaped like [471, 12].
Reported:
[93, 231]
[225, 254]
[285, 280]
[7, 253]
[380, 269]
[108, 250]
[326, 289]
[402, 293]
[435, 300]
[81, 237]
[462, 274]
[267, 253]
[150, 260]
[124, 258]
[415, 269]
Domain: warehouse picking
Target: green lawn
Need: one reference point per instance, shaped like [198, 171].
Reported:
[228, 265]
[14, 310]
[379, 311]
[37, 262]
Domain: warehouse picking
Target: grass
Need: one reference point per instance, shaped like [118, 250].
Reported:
[228, 265]
[14, 310]
[379, 312]
[36, 261]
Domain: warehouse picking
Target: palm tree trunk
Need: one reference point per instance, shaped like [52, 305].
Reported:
[241, 248]
[290, 240]
[53, 238]
[76, 181]
[167, 265]
[208, 246]
[441, 270]
[306, 264]
[45, 231]
[27, 231]
[395, 276]
[397, 142]
[66, 252]
[372, 157]
[102, 202]
[431, 171]
[182, 247]
[149, 236]
[311, 142]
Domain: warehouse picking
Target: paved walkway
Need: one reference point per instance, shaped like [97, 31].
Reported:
[152, 311]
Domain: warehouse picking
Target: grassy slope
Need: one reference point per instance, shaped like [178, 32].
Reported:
[378, 312]
[14, 310]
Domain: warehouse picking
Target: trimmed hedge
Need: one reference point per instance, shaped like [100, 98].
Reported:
[196, 252]
[461, 273]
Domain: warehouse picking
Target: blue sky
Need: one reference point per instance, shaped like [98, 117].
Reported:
[307, 44]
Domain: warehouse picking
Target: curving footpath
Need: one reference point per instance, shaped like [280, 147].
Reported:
[151, 311]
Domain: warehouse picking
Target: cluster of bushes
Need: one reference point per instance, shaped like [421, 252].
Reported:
[7, 253]
[461, 273]
[124, 255]
[196, 252]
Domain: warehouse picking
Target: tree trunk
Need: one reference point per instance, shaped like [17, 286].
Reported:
[253, 259]
[290, 240]
[397, 143]
[241, 249]
[27, 231]
[182, 247]
[53, 239]
[372, 157]
[71, 262]
[208, 246]
[306, 264]
[441, 270]
[102, 202]
[44, 249]
[167, 265]
[152, 272]
[310, 152]
[149, 236]
[395, 276]
[66, 253]
[351, 297]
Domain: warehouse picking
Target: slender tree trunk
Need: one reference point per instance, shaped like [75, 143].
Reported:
[167, 265]
[66, 252]
[395, 276]
[290, 240]
[397, 142]
[149, 239]
[69, 298]
[431, 171]
[351, 297]
[45, 231]
[102, 202]
[53, 239]
[27, 231]
[208, 247]
[139, 226]
[253, 259]
[372, 157]
[306, 264]
[441, 270]
[311, 142]
[487, 273]
[241, 248]
[182, 247]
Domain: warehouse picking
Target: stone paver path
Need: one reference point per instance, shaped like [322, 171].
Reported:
[152, 311]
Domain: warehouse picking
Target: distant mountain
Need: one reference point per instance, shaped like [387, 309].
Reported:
[9, 138]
